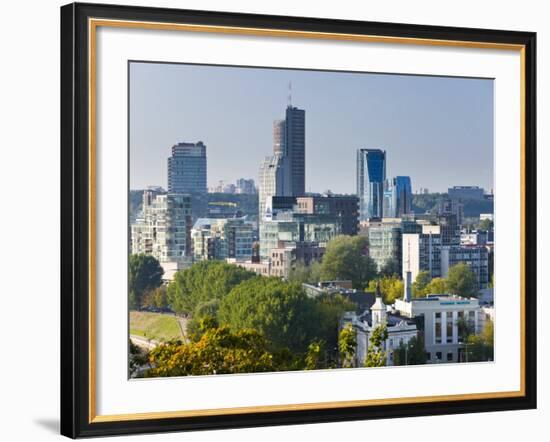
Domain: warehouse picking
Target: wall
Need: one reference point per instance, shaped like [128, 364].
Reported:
[29, 171]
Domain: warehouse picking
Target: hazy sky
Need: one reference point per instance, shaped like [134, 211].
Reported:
[439, 131]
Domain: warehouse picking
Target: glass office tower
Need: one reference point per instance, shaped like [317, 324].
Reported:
[371, 175]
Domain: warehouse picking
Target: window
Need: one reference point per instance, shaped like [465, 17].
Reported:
[438, 328]
[439, 356]
[450, 356]
[449, 321]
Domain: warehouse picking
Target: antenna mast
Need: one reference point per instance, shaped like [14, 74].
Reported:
[290, 94]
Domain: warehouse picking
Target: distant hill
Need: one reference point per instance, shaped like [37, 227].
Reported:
[429, 201]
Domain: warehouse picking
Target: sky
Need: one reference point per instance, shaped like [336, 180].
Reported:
[437, 130]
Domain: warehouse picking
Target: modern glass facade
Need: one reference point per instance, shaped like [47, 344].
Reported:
[371, 175]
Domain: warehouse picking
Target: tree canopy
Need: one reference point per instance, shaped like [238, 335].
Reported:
[144, 275]
[347, 344]
[437, 286]
[279, 310]
[218, 351]
[461, 280]
[376, 355]
[391, 268]
[203, 282]
[346, 259]
[412, 353]
[419, 285]
[391, 287]
[481, 346]
[302, 273]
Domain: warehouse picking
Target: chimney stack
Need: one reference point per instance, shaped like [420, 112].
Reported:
[408, 278]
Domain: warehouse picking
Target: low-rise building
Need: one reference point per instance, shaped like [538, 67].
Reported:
[285, 257]
[222, 238]
[262, 268]
[400, 330]
[444, 318]
[426, 252]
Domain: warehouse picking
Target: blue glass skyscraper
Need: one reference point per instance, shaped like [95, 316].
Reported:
[397, 197]
[371, 176]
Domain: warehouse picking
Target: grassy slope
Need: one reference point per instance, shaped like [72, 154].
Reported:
[158, 326]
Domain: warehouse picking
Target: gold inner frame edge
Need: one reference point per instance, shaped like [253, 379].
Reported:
[93, 24]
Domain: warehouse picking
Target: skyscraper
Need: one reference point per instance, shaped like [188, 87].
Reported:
[270, 182]
[295, 149]
[283, 173]
[371, 175]
[397, 197]
[187, 168]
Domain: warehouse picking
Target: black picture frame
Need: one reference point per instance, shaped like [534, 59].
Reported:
[75, 220]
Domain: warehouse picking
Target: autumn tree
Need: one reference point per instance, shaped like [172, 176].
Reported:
[436, 286]
[347, 344]
[346, 259]
[313, 355]
[144, 275]
[376, 355]
[391, 287]
[218, 351]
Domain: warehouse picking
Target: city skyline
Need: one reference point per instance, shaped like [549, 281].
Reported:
[248, 129]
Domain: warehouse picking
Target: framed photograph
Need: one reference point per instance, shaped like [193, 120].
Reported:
[273, 220]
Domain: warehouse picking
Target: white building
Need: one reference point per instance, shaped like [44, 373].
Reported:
[443, 335]
[400, 330]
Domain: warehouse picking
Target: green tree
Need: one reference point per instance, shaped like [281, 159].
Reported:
[419, 285]
[436, 286]
[412, 353]
[328, 310]
[486, 225]
[346, 259]
[203, 282]
[391, 287]
[461, 280]
[376, 355]
[277, 309]
[347, 344]
[480, 347]
[218, 351]
[206, 309]
[308, 274]
[390, 268]
[155, 298]
[144, 274]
